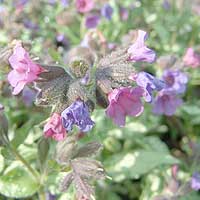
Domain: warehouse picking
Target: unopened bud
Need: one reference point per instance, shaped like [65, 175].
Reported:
[66, 149]
[80, 59]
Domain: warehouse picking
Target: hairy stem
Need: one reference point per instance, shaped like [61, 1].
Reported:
[26, 164]
[41, 194]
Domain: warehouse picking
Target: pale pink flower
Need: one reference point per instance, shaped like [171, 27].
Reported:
[138, 51]
[124, 102]
[84, 6]
[191, 58]
[54, 128]
[24, 70]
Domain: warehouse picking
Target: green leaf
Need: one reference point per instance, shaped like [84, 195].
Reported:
[18, 183]
[43, 150]
[21, 133]
[1, 163]
[134, 164]
[191, 196]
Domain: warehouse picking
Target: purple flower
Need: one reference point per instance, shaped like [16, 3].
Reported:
[77, 114]
[195, 181]
[86, 79]
[148, 83]
[28, 96]
[52, 2]
[62, 41]
[30, 25]
[92, 21]
[50, 196]
[19, 3]
[107, 11]
[175, 81]
[166, 103]
[138, 51]
[65, 3]
[124, 13]
[166, 4]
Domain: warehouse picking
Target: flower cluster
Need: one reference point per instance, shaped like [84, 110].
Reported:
[125, 100]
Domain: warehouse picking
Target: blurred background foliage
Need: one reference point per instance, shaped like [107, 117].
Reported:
[138, 157]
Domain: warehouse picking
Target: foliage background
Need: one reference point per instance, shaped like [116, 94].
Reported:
[139, 156]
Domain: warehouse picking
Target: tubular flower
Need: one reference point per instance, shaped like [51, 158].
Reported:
[138, 51]
[54, 128]
[166, 103]
[24, 70]
[191, 58]
[77, 114]
[124, 102]
[175, 81]
[149, 83]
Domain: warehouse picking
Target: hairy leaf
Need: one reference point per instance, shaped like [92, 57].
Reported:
[18, 183]
[66, 149]
[83, 189]
[90, 149]
[66, 182]
[88, 168]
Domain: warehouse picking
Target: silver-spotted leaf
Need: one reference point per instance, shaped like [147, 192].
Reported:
[18, 183]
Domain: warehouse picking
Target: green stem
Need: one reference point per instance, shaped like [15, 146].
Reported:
[41, 194]
[20, 158]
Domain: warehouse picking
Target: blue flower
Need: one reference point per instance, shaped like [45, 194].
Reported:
[195, 181]
[175, 81]
[77, 114]
[149, 83]
[107, 11]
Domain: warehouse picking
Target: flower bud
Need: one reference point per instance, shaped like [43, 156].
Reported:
[66, 149]
[80, 59]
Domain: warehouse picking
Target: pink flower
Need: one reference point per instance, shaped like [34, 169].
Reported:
[139, 51]
[24, 70]
[191, 58]
[54, 128]
[84, 6]
[123, 102]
